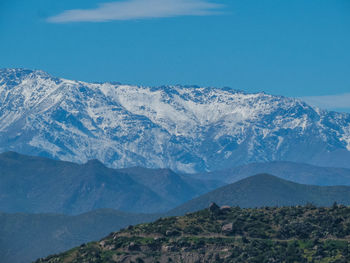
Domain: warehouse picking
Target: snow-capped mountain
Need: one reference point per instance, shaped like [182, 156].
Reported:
[187, 129]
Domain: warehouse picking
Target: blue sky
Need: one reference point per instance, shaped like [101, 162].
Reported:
[296, 48]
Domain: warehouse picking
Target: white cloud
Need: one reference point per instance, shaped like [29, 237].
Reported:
[339, 101]
[138, 9]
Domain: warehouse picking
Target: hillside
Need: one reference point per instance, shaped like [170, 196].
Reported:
[25, 237]
[31, 184]
[184, 128]
[267, 190]
[169, 185]
[297, 172]
[294, 234]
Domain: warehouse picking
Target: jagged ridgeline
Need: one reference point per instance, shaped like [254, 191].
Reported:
[184, 128]
[227, 234]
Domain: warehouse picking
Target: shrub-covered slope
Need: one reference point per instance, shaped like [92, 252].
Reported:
[285, 234]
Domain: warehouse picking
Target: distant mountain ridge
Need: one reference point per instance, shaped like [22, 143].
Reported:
[40, 185]
[267, 190]
[169, 185]
[187, 129]
[297, 172]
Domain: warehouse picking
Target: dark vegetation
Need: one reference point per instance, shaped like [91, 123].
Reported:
[277, 234]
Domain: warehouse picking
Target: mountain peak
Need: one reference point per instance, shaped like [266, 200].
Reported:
[263, 177]
[22, 72]
[10, 155]
[94, 162]
[267, 190]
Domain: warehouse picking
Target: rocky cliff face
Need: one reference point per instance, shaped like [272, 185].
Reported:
[188, 129]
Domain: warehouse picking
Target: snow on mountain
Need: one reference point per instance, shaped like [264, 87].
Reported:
[184, 128]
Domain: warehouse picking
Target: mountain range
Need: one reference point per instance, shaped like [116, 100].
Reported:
[185, 128]
[31, 184]
[79, 149]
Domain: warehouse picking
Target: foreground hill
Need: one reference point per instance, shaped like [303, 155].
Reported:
[297, 172]
[25, 237]
[39, 185]
[187, 129]
[297, 234]
[267, 190]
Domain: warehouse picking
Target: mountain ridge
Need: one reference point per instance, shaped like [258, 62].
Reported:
[185, 129]
[37, 184]
[297, 172]
[267, 190]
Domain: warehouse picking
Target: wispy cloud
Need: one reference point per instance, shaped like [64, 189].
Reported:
[340, 101]
[138, 9]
